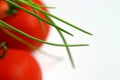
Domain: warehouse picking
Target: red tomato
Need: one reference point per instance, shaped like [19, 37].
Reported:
[27, 23]
[19, 65]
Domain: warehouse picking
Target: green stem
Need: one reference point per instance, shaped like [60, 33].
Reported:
[3, 44]
[40, 21]
[29, 44]
[18, 6]
[43, 6]
[36, 39]
[27, 3]
[65, 42]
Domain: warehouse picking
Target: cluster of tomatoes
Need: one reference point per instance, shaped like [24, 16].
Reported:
[18, 63]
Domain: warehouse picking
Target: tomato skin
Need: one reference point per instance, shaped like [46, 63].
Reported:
[19, 65]
[28, 24]
[3, 8]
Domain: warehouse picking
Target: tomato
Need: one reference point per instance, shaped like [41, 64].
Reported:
[27, 23]
[19, 65]
[3, 8]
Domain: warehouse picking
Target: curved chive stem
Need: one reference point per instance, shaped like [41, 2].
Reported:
[40, 21]
[36, 39]
[18, 38]
[18, 6]
[29, 44]
[47, 7]
[65, 42]
[3, 44]
[37, 8]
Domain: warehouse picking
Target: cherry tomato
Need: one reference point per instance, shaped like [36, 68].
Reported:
[19, 65]
[27, 23]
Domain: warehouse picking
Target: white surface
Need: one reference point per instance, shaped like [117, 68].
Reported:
[100, 60]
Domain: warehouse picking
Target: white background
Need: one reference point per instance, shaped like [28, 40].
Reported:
[100, 60]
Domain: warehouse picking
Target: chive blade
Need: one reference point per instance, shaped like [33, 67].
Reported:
[4, 24]
[18, 6]
[84, 31]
